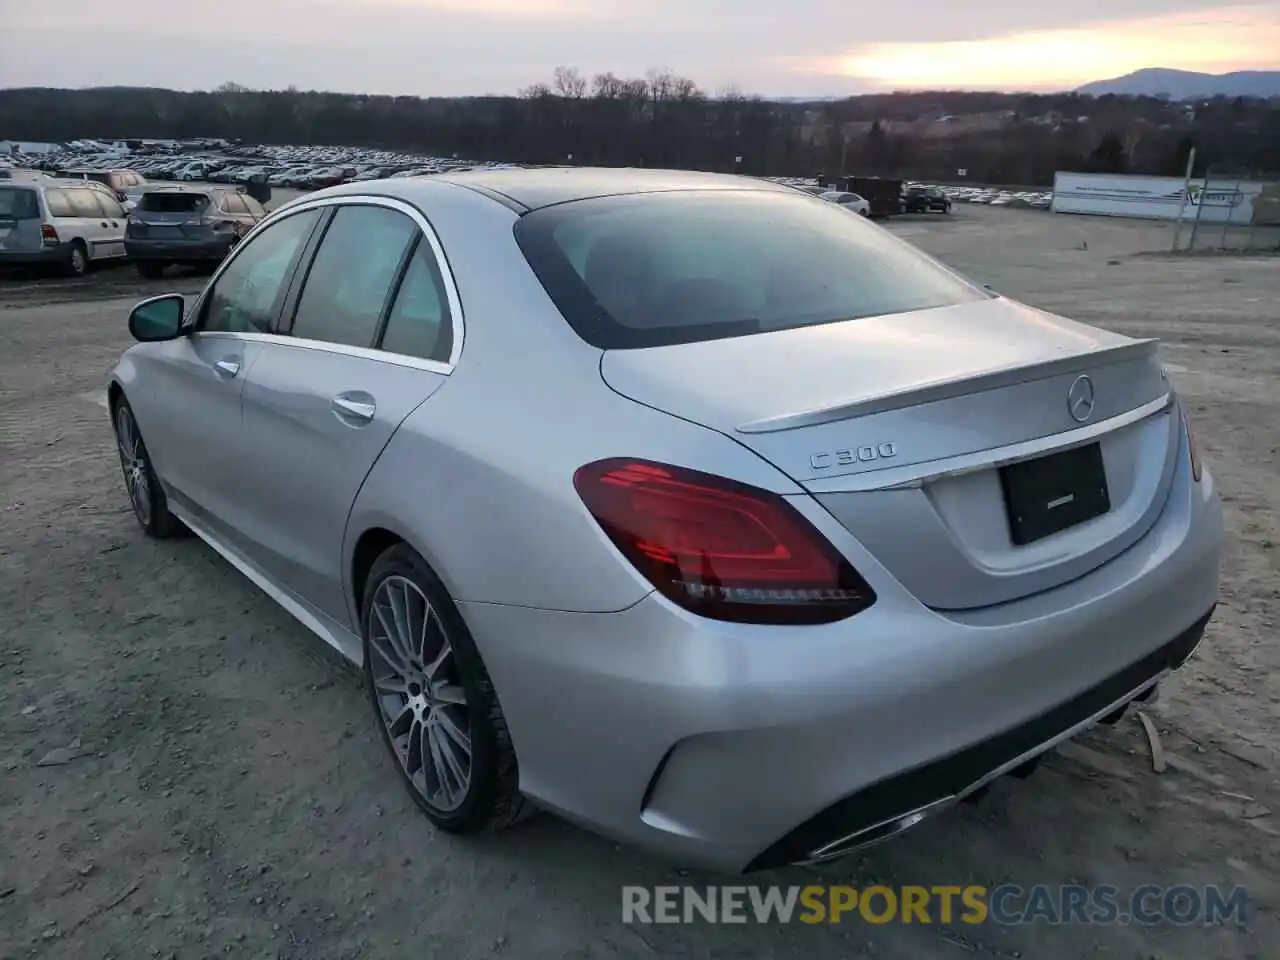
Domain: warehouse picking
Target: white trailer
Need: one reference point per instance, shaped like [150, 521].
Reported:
[1154, 198]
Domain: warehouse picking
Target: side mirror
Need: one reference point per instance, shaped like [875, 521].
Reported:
[159, 318]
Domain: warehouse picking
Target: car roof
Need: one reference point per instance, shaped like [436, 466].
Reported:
[533, 188]
[202, 189]
[72, 182]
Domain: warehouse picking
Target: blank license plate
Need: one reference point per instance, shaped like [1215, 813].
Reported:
[1051, 494]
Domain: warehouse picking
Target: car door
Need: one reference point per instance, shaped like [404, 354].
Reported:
[87, 222]
[191, 413]
[321, 403]
[112, 227]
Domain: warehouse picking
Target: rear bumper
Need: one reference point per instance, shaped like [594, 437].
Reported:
[890, 806]
[738, 747]
[178, 249]
[55, 254]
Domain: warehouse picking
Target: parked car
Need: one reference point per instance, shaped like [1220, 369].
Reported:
[188, 225]
[844, 538]
[850, 201]
[65, 223]
[923, 199]
[127, 185]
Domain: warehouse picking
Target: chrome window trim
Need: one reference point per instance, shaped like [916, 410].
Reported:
[324, 346]
[355, 199]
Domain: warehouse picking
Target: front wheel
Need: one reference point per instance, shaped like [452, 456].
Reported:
[150, 506]
[434, 701]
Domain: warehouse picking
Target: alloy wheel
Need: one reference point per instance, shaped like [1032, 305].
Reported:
[420, 701]
[133, 461]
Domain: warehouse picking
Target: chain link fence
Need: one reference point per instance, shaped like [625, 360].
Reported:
[1228, 212]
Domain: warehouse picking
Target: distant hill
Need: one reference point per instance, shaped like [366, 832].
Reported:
[1188, 85]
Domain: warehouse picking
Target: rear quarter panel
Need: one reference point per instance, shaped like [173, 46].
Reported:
[479, 479]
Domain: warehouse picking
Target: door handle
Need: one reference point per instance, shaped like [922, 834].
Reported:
[357, 410]
[228, 368]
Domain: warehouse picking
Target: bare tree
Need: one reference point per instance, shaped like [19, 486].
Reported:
[568, 82]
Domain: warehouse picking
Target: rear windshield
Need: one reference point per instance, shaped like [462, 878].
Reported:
[18, 204]
[173, 202]
[653, 269]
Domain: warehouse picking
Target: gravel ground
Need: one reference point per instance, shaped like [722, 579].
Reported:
[214, 786]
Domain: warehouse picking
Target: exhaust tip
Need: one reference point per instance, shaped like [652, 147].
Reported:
[876, 834]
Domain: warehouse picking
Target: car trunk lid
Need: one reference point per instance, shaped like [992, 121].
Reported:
[904, 427]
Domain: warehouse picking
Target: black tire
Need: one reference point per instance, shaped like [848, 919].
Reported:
[150, 507]
[151, 269]
[492, 800]
[77, 262]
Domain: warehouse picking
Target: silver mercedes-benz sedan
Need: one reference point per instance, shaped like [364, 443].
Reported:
[687, 506]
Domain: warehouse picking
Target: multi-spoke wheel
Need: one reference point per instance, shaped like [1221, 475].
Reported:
[145, 494]
[434, 701]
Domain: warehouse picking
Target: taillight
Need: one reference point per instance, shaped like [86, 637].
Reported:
[1197, 467]
[720, 548]
[49, 234]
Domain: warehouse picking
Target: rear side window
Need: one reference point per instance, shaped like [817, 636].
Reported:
[349, 283]
[663, 268]
[58, 204]
[232, 203]
[419, 324]
[173, 202]
[17, 204]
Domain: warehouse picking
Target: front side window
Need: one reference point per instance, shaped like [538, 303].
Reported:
[652, 269]
[419, 324]
[246, 297]
[349, 282]
[110, 206]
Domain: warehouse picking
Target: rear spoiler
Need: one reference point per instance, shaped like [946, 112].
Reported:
[958, 386]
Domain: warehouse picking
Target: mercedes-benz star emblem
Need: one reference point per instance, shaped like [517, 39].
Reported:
[1080, 399]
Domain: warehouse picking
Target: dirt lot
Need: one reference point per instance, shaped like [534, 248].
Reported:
[224, 792]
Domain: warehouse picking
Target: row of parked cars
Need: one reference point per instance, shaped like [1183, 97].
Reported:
[72, 222]
[1024, 199]
[304, 168]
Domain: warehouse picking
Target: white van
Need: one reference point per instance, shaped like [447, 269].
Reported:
[62, 222]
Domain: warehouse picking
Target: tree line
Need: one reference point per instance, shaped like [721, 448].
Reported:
[665, 120]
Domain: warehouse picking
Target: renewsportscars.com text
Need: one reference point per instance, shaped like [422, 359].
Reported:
[1008, 904]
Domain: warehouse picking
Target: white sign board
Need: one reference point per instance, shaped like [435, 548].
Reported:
[1153, 198]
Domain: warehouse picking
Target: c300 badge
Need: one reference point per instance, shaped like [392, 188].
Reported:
[853, 456]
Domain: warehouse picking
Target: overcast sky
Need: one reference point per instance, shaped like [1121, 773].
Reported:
[452, 47]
